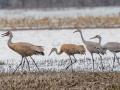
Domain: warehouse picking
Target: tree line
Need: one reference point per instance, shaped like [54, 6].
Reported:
[56, 3]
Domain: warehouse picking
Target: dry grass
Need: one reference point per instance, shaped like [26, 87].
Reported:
[63, 22]
[51, 79]
[60, 81]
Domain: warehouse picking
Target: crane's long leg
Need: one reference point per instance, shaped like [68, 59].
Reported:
[73, 62]
[117, 59]
[113, 61]
[34, 62]
[18, 66]
[70, 64]
[75, 59]
[93, 61]
[28, 63]
[101, 62]
[23, 64]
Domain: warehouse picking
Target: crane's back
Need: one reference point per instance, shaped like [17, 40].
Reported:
[113, 46]
[26, 49]
[91, 46]
[71, 49]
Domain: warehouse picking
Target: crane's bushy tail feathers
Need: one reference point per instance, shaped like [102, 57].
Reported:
[40, 47]
[81, 51]
[117, 50]
[39, 50]
[39, 53]
[102, 51]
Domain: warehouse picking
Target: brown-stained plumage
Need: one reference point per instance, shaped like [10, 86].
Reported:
[24, 49]
[82, 48]
[70, 49]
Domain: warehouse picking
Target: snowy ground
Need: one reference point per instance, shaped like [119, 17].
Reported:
[55, 38]
[72, 12]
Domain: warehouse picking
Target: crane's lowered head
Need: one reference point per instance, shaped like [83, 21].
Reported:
[8, 33]
[52, 50]
[97, 36]
[78, 30]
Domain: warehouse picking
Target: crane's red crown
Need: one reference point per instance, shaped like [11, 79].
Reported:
[96, 36]
[8, 32]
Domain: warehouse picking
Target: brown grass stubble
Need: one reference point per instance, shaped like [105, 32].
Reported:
[61, 22]
[60, 81]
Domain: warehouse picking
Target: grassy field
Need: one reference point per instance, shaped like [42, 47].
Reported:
[61, 22]
[60, 81]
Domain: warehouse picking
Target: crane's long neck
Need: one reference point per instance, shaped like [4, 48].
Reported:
[9, 41]
[82, 37]
[58, 53]
[100, 42]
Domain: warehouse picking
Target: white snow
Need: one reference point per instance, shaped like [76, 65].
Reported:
[70, 12]
[55, 38]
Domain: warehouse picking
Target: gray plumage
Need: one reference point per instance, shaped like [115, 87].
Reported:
[92, 47]
[113, 47]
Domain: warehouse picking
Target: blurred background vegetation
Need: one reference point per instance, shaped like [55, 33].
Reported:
[19, 4]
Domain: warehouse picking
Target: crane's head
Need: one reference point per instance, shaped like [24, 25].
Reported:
[52, 50]
[78, 30]
[97, 36]
[8, 33]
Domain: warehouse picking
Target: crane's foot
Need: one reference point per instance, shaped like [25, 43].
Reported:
[67, 67]
[13, 73]
[103, 68]
[112, 70]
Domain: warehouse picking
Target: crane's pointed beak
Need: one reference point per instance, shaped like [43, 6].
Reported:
[50, 53]
[75, 31]
[5, 34]
[92, 37]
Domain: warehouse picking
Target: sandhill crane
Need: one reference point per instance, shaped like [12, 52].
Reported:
[113, 47]
[92, 47]
[70, 49]
[24, 49]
